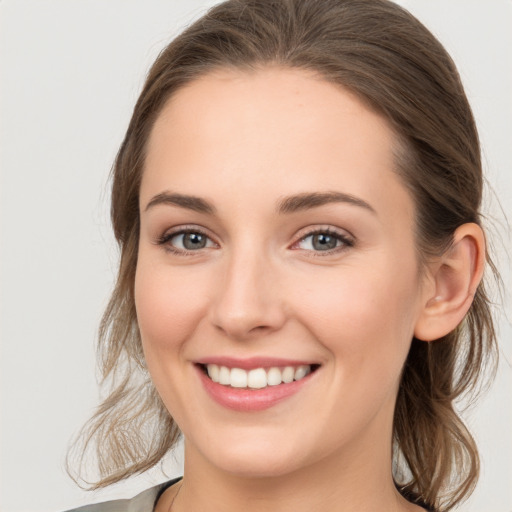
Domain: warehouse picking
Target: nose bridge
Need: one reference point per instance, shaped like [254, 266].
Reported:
[247, 299]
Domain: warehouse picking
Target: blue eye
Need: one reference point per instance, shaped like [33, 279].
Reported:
[189, 241]
[324, 241]
[186, 241]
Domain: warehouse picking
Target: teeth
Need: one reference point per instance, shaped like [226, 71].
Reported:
[213, 372]
[224, 375]
[288, 374]
[274, 377]
[301, 372]
[238, 378]
[257, 378]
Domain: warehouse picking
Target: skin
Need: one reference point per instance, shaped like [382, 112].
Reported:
[243, 141]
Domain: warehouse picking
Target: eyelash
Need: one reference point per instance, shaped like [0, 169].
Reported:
[345, 240]
[167, 237]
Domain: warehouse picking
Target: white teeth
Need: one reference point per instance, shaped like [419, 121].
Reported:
[257, 378]
[224, 375]
[274, 377]
[301, 372]
[288, 374]
[213, 372]
[238, 378]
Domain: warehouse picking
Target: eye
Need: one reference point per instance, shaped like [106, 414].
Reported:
[185, 241]
[324, 241]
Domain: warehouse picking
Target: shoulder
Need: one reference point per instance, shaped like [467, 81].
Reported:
[143, 502]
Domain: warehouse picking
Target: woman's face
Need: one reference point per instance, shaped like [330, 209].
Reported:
[276, 240]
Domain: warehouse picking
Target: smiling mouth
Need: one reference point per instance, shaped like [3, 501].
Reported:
[256, 378]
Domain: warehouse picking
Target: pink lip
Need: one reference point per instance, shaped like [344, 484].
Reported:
[252, 362]
[246, 400]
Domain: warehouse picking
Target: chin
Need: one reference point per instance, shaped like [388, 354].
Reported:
[257, 467]
[254, 458]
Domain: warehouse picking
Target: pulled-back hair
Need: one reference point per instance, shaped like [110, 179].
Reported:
[382, 54]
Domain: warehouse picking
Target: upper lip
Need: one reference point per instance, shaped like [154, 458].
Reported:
[252, 362]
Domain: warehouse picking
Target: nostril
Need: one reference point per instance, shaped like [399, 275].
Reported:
[259, 328]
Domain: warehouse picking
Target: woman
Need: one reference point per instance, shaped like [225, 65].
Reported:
[297, 201]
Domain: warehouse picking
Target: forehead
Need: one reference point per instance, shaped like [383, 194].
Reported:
[270, 104]
[278, 131]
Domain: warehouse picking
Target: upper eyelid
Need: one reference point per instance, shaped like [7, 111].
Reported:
[300, 235]
[347, 240]
[168, 235]
[178, 230]
[342, 233]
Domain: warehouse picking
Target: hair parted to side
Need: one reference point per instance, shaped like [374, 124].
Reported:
[385, 56]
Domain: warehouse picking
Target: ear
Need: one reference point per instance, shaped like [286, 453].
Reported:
[454, 278]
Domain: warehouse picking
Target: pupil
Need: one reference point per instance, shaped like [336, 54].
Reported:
[194, 241]
[323, 242]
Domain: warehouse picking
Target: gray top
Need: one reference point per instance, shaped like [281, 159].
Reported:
[143, 502]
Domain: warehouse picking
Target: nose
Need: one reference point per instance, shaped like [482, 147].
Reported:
[248, 301]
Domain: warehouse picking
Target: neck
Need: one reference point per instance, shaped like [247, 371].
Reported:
[355, 480]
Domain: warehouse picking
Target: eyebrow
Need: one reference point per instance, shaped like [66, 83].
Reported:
[196, 204]
[309, 200]
[286, 205]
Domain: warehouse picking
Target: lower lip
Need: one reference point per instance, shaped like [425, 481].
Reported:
[246, 400]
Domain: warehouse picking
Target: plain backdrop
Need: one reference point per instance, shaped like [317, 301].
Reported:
[70, 73]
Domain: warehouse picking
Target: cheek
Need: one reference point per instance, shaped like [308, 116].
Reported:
[365, 316]
[169, 305]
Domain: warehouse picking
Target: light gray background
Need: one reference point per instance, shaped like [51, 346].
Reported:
[71, 71]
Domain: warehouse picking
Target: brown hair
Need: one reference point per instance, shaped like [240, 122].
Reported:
[385, 56]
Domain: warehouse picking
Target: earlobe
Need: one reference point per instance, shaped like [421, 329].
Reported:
[455, 278]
